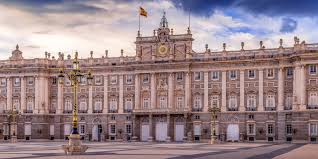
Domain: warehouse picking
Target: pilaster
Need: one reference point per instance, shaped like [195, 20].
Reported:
[90, 100]
[242, 93]
[223, 107]
[170, 91]
[281, 82]
[206, 92]
[121, 94]
[153, 91]
[9, 94]
[105, 108]
[261, 90]
[137, 91]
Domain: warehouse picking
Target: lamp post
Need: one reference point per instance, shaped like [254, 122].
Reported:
[12, 118]
[75, 75]
[213, 110]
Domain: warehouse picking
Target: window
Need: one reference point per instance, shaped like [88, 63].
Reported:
[98, 80]
[197, 76]
[128, 104]
[113, 104]
[68, 104]
[270, 129]
[270, 73]
[128, 118]
[113, 79]
[313, 129]
[112, 129]
[289, 129]
[312, 69]
[289, 72]
[113, 117]
[54, 81]
[16, 104]
[313, 99]
[197, 117]
[180, 102]
[98, 104]
[145, 78]
[146, 103]
[251, 74]
[128, 129]
[270, 101]
[129, 79]
[251, 101]
[250, 117]
[251, 129]
[215, 75]
[2, 106]
[83, 104]
[3, 81]
[215, 101]
[233, 74]
[289, 101]
[30, 80]
[162, 102]
[29, 104]
[197, 102]
[179, 76]
[82, 129]
[53, 104]
[232, 102]
[17, 81]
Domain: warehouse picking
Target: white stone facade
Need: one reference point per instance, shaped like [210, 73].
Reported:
[164, 92]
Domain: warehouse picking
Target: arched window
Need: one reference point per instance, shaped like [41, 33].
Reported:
[98, 104]
[68, 104]
[313, 101]
[30, 104]
[163, 102]
[83, 104]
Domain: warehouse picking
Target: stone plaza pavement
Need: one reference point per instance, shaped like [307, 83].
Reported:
[138, 150]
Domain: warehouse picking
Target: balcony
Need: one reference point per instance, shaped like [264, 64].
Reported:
[112, 111]
[52, 111]
[97, 111]
[288, 107]
[28, 111]
[251, 108]
[269, 108]
[312, 107]
[82, 111]
[196, 109]
[127, 110]
[67, 111]
[232, 109]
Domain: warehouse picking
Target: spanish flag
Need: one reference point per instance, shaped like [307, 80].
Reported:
[143, 12]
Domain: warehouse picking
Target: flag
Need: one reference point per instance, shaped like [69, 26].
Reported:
[143, 12]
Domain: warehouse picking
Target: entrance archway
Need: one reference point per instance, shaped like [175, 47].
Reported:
[233, 132]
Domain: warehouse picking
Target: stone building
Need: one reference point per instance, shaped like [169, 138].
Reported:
[163, 93]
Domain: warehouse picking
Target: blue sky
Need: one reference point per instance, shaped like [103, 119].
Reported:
[96, 25]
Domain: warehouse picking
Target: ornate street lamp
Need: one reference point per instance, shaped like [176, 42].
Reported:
[75, 75]
[12, 118]
[213, 110]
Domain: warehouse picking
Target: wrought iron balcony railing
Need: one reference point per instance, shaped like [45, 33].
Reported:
[269, 108]
[112, 111]
[251, 108]
[232, 109]
[196, 109]
[312, 106]
[97, 111]
[67, 111]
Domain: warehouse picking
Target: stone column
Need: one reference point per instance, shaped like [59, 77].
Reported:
[170, 91]
[23, 95]
[150, 139]
[223, 107]
[281, 81]
[134, 126]
[9, 93]
[137, 91]
[105, 108]
[121, 94]
[46, 94]
[153, 91]
[261, 90]
[168, 128]
[187, 90]
[206, 92]
[242, 93]
[303, 88]
[297, 86]
[37, 95]
[60, 96]
[90, 100]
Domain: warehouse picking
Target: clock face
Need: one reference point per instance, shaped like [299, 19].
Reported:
[162, 50]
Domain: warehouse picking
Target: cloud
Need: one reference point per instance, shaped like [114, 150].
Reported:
[288, 25]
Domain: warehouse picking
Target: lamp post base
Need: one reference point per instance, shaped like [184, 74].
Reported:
[14, 139]
[213, 140]
[74, 146]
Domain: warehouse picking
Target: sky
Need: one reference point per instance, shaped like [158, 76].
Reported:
[98, 25]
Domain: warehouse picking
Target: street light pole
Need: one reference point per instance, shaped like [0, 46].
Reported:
[74, 145]
[12, 117]
[213, 110]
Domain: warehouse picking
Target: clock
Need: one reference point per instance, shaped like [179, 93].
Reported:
[162, 50]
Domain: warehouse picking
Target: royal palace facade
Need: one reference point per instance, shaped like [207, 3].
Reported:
[164, 92]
